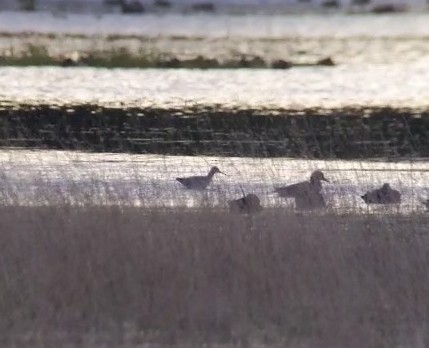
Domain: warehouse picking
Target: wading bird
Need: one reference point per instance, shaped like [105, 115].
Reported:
[383, 195]
[307, 194]
[199, 182]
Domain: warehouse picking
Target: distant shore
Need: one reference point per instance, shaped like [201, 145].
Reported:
[133, 51]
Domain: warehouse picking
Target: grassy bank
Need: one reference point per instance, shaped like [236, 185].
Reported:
[134, 51]
[347, 133]
[97, 277]
[27, 48]
[123, 58]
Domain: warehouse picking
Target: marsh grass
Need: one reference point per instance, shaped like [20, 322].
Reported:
[124, 277]
[122, 57]
[34, 55]
[339, 133]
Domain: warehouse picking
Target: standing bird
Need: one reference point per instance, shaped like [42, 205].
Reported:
[307, 194]
[199, 182]
[383, 195]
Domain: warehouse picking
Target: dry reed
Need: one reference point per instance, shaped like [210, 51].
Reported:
[125, 277]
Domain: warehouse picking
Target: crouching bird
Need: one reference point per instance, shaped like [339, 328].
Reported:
[383, 195]
[249, 204]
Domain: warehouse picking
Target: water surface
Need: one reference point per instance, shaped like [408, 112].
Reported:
[392, 70]
[381, 60]
[388, 85]
[221, 25]
[55, 177]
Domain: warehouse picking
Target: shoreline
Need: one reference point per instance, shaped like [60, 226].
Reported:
[194, 50]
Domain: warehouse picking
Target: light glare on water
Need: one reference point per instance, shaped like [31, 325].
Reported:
[381, 60]
[389, 85]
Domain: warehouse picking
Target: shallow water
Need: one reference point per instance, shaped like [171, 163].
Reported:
[389, 85]
[54, 177]
[392, 73]
[382, 60]
[220, 25]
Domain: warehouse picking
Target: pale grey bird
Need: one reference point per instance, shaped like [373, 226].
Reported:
[248, 204]
[383, 195]
[307, 194]
[199, 182]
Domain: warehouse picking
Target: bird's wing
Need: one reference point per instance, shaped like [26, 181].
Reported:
[294, 190]
[194, 182]
[188, 182]
[182, 180]
[191, 178]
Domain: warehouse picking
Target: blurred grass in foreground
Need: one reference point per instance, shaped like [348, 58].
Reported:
[123, 277]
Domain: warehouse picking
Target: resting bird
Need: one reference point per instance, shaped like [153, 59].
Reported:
[307, 194]
[199, 182]
[383, 195]
[249, 204]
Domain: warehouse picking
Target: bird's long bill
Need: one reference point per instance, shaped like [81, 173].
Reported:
[223, 173]
[324, 179]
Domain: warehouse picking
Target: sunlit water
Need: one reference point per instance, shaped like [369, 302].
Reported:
[388, 85]
[382, 60]
[53, 177]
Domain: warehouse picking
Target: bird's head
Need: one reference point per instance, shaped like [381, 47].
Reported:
[318, 175]
[215, 170]
[385, 187]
